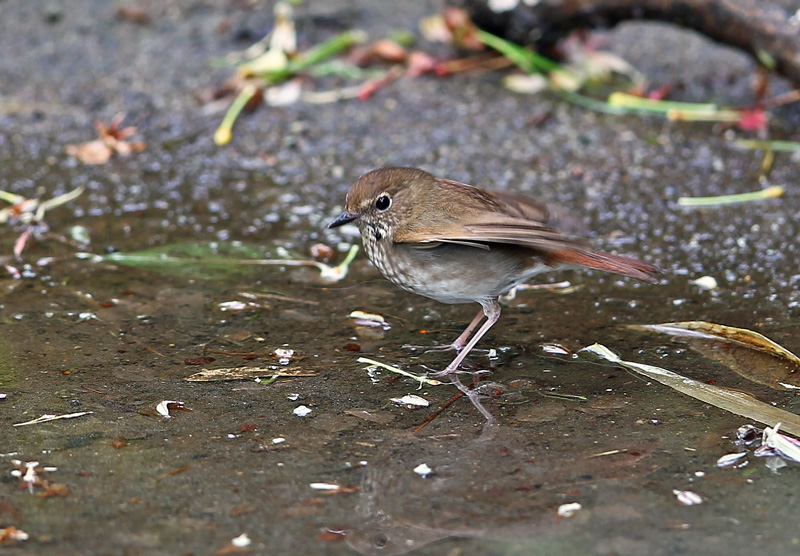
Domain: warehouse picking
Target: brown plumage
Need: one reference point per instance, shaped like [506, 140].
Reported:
[456, 243]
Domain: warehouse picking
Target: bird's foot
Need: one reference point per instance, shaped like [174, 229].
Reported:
[430, 349]
[448, 371]
[444, 347]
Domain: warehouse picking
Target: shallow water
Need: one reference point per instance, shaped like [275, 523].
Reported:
[113, 339]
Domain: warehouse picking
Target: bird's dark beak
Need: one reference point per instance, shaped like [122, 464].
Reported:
[342, 219]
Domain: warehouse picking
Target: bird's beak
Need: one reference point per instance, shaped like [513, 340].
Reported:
[343, 218]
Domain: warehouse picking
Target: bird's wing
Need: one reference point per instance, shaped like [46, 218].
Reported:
[553, 246]
[496, 228]
[553, 216]
[482, 219]
[466, 214]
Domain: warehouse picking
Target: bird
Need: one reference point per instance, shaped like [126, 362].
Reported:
[457, 243]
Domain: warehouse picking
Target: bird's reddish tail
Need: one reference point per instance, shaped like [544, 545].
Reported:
[609, 263]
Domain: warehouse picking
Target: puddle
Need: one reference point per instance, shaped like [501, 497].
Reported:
[110, 340]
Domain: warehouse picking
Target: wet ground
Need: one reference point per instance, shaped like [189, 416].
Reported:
[114, 339]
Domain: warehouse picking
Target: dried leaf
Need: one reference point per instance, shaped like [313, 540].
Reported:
[754, 365]
[782, 445]
[49, 417]
[388, 50]
[729, 400]
[704, 329]
[452, 26]
[12, 534]
[244, 373]
[92, 152]
[111, 138]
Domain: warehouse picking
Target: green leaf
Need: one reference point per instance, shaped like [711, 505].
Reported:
[527, 60]
[193, 260]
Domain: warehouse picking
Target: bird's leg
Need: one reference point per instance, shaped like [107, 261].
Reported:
[491, 309]
[474, 398]
[459, 342]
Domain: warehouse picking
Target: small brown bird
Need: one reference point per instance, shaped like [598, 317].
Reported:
[456, 243]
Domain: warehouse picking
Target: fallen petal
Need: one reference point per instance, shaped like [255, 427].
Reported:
[411, 400]
[687, 497]
[568, 510]
[423, 470]
[729, 460]
[241, 541]
[163, 407]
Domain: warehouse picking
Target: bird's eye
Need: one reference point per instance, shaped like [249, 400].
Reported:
[383, 202]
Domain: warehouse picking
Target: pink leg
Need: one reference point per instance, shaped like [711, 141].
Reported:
[459, 342]
[462, 339]
[492, 311]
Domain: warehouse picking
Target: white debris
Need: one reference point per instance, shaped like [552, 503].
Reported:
[706, 283]
[278, 440]
[11, 533]
[499, 6]
[285, 94]
[568, 510]
[362, 318]
[366, 316]
[301, 410]
[411, 400]
[786, 447]
[241, 541]
[48, 417]
[555, 349]
[687, 497]
[729, 460]
[87, 316]
[423, 470]
[233, 306]
[163, 407]
[284, 355]
[325, 486]
[30, 476]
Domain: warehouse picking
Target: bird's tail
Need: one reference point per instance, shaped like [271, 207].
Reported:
[608, 263]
